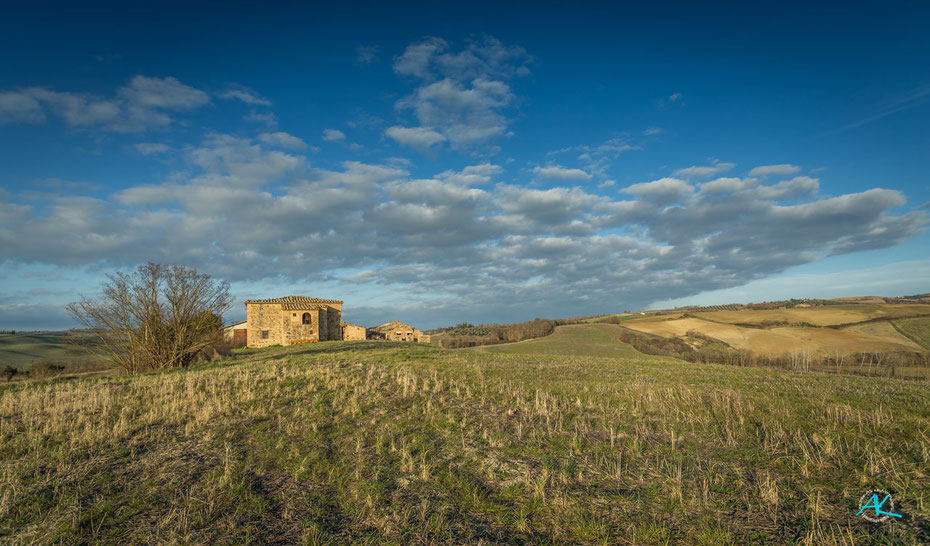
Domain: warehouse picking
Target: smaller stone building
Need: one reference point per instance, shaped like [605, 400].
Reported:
[353, 332]
[235, 333]
[398, 331]
[292, 319]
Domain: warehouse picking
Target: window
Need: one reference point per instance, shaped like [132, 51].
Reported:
[264, 334]
[307, 319]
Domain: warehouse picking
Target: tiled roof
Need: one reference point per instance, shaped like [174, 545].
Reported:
[393, 325]
[302, 306]
[294, 300]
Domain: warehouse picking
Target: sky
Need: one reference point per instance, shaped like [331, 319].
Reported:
[466, 162]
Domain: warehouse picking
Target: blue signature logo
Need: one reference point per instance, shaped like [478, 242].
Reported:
[869, 502]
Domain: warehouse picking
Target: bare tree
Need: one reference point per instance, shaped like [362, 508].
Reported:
[155, 318]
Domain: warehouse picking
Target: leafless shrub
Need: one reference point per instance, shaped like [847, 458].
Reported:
[158, 317]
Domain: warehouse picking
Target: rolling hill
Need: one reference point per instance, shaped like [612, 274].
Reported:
[821, 331]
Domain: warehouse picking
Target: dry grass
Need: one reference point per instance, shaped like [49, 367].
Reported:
[381, 443]
[779, 332]
[830, 315]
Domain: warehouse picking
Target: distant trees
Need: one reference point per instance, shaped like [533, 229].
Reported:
[469, 335]
[155, 318]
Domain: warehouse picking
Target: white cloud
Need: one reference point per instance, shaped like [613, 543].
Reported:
[141, 104]
[415, 137]
[705, 171]
[280, 139]
[20, 107]
[675, 97]
[555, 172]
[332, 135]
[463, 95]
[665, 188]
[164, 93]
[473, 175]
[459, 240]
[489, 59]
[783, 169]
[650, 131]
[244, 94]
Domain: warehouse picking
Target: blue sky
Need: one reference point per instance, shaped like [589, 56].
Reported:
[466, 162]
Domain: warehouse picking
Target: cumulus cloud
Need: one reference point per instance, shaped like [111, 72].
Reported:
[489, 58]
[421, 138]
[462, 95]
[141, 104]
[461, 243]
[280, 139]
[783, 169]
[244, 94]
[704, 171]
[555, 172]
[670, 189]
[332, 135]
[20, 107]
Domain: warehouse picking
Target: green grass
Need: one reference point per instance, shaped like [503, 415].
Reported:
[21, 350]
[372, 442]
[572, 340]
[915, 329]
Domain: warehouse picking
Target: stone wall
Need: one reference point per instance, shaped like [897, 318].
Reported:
[286, 326]
[352, 332]
[296, 331]
[265, 318]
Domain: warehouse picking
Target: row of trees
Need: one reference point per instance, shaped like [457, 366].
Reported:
[158, 317]
[490, 334]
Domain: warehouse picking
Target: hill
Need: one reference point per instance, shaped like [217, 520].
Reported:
[378, 442]
[820, 331]
[65, 347]
[571, 340]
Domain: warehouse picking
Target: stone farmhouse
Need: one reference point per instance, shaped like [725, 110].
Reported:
[398, 331]
[292, 319]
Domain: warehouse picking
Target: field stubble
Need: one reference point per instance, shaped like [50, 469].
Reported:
[376, 442]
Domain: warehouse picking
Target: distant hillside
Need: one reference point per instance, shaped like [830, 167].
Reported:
[896, 334]
[66, 348]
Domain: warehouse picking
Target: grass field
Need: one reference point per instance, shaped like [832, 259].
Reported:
[915, 329]
[819, 316]
[813, 330]
[388, 443]
[571, 340]
[65, 347]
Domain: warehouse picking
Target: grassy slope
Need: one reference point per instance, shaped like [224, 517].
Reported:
[820, 316]
[915, 329]
[868, 337]
[380, 442]
[23, 349]
[574, 340]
